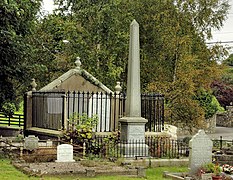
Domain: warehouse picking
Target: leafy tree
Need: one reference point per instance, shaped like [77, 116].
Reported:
[17, 19]
[223, 92]
[54, 42]
[229, 61]
[208, 102]
[174, 57]
[223, 86]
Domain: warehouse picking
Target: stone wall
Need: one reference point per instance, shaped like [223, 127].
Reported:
[209, 127]
[7, 131]
[225, 119]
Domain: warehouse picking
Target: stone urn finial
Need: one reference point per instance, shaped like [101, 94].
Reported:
[78, 63]
[33, 84]
[118, 87]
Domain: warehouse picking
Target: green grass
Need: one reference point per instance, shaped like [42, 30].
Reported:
[151, 174]
[7, 171]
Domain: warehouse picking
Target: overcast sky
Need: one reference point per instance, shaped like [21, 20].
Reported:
[224, 35]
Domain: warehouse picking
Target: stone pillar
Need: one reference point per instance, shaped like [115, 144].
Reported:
[115, 112]
[133, 125]
[28, 106]
[27, 110]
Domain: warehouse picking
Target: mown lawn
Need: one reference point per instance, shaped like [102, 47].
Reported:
[7, 171]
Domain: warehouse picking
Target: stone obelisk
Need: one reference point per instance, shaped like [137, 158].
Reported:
[133, 125]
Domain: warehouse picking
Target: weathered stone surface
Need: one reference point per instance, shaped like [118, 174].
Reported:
[207, 176]
[90, 172]
[31, 142]
[133, 125]
[65, 153]
[133, 100]
[141, 172]
[200, 151]
[133, 131]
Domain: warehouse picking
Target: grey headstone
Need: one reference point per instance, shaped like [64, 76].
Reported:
[200, 151]
[65, 153]
[31, 142]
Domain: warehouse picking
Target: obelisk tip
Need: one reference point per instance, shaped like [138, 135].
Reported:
[134, 22]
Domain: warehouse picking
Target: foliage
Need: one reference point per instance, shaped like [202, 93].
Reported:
[223, 86]
[17, 20]
[209, 167]
[214, 168]
[8, 108]
[80, 128]
[178, 96]
[110, 143]
[217, 169]
[229, 61]
[174, 57]
[223, 92]
[208, 102]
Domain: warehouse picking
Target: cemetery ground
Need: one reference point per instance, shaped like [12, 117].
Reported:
[8, 171]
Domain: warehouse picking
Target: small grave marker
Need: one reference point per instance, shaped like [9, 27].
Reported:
[200, 151]
[49, 143]
[65, 153]
[31, 142]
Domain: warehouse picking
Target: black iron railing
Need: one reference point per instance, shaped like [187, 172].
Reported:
[50, 109]
[103, 147]
[219, 144]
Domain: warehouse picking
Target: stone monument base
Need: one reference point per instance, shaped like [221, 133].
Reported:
[132, 150]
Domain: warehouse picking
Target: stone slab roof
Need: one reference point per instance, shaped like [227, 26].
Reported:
[78, 71]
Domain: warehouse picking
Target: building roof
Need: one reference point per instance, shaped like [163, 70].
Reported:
[76, 71]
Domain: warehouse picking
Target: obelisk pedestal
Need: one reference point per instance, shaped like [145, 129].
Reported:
[133, 125]
[133, 137]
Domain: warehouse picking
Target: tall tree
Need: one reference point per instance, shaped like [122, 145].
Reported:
[174, 57]
[17, 19]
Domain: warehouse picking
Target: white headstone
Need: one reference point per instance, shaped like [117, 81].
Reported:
[200, 151]
[65, 153]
